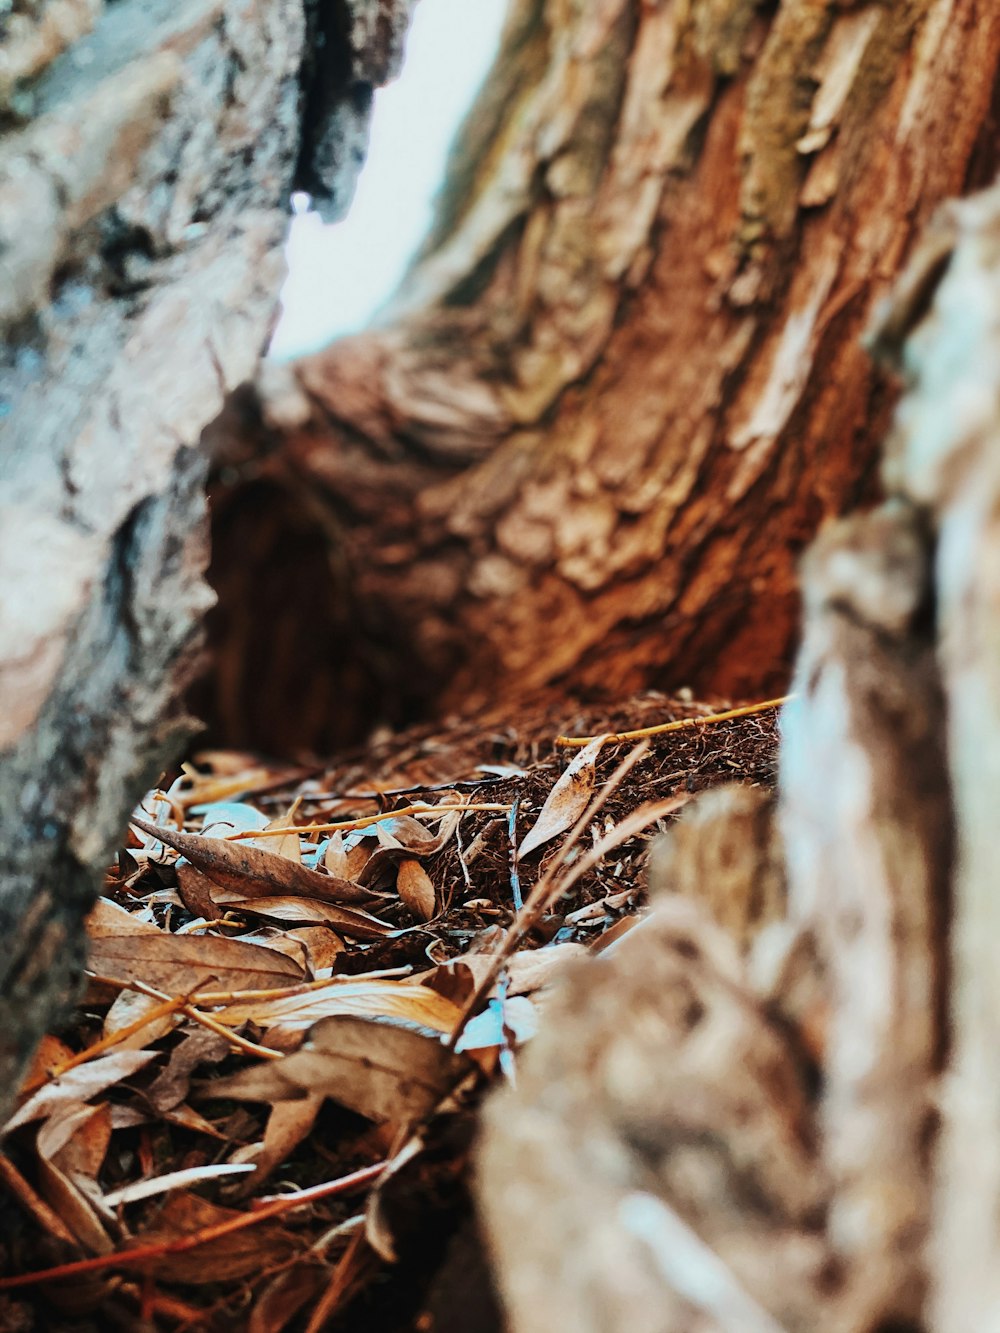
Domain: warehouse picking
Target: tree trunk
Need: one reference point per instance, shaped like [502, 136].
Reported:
[623, 383]
[147, 156]
[809, 1133]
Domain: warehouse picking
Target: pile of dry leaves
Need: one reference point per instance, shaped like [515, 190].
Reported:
[301, 983]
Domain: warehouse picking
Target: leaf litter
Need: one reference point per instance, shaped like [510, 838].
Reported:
[304, 980]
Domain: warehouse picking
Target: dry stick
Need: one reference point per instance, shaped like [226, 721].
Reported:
[632, 824]
[169, 1006]
[539, 897]
[342, 825]
[156, 1249]
[196, 1016]
[685, 723]
[221, 998]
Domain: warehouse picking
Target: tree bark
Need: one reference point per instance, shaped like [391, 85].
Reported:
[622, 384]
[659, 1111]
[146, 160]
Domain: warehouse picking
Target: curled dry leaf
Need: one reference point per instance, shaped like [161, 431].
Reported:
[402, 1001]
[385, 1071]
[130, 1006]
[404, 832]
[80, 1084]
[349, 921]
[416, 889]
[321, 944]
[71, 1146]
[287, 1293]
[566, 801]
[336, 858]
[171, 1085]
[251, 871]
[287, 1125]
[173, 1180]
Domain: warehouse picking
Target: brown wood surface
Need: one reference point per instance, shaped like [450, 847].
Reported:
[859, 1017]
[622, 385]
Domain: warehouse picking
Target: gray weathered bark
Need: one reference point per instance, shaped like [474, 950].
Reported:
[146, 160]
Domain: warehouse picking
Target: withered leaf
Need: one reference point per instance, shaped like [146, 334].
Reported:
[67, 1198]
[405, 832]
[416, 888]
[251, 871]
[287, 1125]
[308, 911]
[566, 801]
[236, 1254]
[179, 964]
[195, 889]
[403, 1001]
[382, 1070]
[171, 1085]
[285, 1295]
[80, 1084]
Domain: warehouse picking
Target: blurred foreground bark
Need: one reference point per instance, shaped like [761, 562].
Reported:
[623, 383]
[769, 1109]
[147, 153]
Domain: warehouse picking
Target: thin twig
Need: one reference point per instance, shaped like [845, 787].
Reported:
[169, 1006]
[196, 1016]
[344, 825]
[156, 1249]
[684, 724]
[540, 896]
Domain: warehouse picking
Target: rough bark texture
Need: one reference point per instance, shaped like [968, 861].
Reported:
[623, 383]
[145, 171]
[636, 1122]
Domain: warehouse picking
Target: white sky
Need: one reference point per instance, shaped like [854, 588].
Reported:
[339, 276]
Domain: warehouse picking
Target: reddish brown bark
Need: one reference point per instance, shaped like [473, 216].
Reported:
[624, 382]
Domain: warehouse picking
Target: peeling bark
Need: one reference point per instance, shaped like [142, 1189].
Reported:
[621, 386]
[877, 959]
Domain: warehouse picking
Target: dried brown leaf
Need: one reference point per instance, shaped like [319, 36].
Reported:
[349, 921]
[80, 1084]
[195, 889]
[405, 833]
[171, 1085]
[179, 964]
[288, 1124]
[237, 1254]
[416, 889]
[566, 801]
[52, 1054]
[285, 1295]
[403, 1001]
[336, 858]
[322, 946]
[78, 1212]
[252, 871]
[383, 1071]
[128, 1007]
